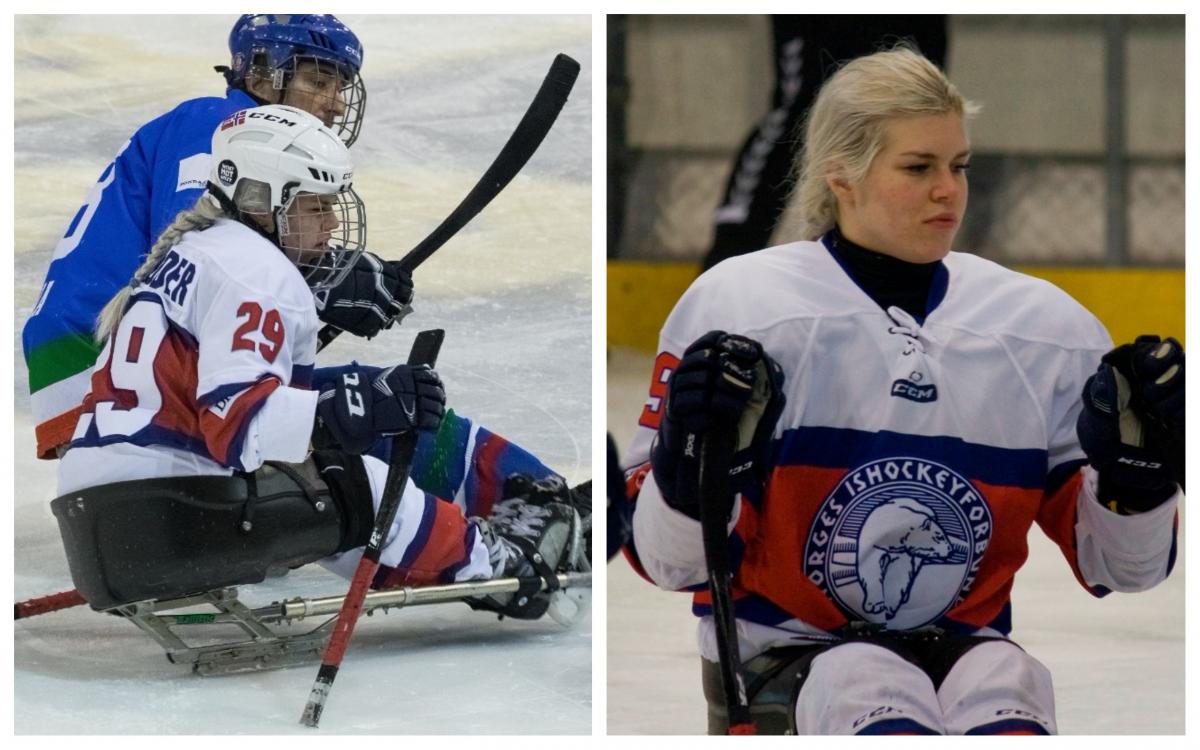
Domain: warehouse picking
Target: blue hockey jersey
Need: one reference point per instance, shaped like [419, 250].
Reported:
[158, 172]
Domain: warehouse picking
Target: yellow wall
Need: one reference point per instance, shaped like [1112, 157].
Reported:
[1129, 301]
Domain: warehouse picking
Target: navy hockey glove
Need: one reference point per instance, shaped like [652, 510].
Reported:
[359, 410]
[723, 382]
[374, 295]
[1132, 424]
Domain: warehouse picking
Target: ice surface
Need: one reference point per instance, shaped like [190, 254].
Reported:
[512, 290]
[1117, 662]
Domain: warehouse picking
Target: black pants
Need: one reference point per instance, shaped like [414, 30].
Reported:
[808, 49]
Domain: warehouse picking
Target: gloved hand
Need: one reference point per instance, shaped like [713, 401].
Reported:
[374, 295]
[723, 382]
[358, 410]
[620, 512]
[1132, 424]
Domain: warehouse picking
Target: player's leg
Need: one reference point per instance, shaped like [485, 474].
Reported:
[846, 688]
[534, 533]
[430, 540]
[997, 688]
[863, 688]
[467, 463]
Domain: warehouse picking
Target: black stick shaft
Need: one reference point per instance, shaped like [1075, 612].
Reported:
[524, 141]
[716, 500]
[521, 145]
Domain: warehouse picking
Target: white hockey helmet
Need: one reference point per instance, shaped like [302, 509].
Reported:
[266, 159]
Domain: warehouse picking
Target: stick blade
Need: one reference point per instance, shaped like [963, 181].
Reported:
[563, 72]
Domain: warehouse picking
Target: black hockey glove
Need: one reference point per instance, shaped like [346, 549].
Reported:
[723, 382]
[620, 513]
[1132, 424]
[374, 295]
[358, 410]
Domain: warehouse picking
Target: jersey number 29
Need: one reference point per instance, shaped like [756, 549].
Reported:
[270, 326]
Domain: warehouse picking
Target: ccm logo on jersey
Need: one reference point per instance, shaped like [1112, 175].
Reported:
[913, 392]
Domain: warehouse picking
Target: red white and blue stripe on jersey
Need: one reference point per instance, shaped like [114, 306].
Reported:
[768, 544]
[183, 421]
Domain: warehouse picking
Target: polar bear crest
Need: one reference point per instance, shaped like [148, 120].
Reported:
[897, 538]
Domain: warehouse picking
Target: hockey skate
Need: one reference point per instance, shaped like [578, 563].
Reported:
[533, 535]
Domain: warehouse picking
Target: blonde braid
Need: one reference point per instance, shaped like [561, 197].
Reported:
[200, 216]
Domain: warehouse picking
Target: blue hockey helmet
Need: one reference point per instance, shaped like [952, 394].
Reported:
[272, 46]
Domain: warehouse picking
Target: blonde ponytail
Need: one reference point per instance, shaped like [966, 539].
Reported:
[202, 215]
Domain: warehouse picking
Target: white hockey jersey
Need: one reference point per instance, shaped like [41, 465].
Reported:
[208, 370]
[911, 457]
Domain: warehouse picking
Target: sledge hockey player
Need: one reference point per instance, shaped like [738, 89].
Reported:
[307, 61]
[199, 419]
[903, 415]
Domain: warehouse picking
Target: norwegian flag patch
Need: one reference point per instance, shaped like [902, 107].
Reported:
[237, 118]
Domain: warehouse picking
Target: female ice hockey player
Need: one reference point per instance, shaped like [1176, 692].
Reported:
[204, 374]
[903, 414]
[311, 62]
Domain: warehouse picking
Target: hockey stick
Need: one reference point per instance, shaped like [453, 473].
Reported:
[524, 141]
[716, 449]
[424, 352]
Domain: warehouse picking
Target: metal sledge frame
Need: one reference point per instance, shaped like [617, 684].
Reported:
[268, 649]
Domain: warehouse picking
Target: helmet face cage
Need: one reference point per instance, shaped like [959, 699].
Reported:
[272, 46]
[322, 86]
[323, 261]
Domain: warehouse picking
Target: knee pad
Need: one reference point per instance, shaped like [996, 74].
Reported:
[350, 488]
[998, 688]
[866, 688]
[829, 676]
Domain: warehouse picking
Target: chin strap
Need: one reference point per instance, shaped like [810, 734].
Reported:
[227, 73]
[235, 85]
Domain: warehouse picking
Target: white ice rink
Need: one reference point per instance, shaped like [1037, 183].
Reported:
[1117, 662]
[513, 291]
